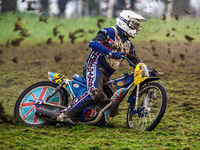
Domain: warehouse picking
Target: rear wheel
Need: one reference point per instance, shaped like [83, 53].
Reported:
[25, 106]
[152, 103]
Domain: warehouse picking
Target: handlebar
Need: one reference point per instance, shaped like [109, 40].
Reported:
[130, 62]
[152, 71]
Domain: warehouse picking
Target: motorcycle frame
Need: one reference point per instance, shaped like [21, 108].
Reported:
[45, 102]
[133, 98]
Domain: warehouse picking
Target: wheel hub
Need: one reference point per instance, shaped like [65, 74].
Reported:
[38, 103]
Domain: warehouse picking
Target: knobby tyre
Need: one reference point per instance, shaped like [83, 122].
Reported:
[154, 97]
[25, 106]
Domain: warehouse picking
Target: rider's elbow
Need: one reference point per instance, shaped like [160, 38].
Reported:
[93, 44]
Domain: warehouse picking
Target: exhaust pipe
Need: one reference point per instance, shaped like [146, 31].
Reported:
[52, 115]
[47, 114]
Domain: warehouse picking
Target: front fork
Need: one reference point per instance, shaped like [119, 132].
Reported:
[134, 100]
[131, 100]
[137, 97]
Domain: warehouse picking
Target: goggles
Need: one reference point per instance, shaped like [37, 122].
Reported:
[134, 25]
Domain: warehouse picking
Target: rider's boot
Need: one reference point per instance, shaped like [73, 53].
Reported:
[65, 117]
[74, 110]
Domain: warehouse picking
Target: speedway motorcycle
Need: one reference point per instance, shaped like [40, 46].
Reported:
[41, 103]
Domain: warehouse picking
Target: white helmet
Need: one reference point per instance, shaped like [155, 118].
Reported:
[129, 22]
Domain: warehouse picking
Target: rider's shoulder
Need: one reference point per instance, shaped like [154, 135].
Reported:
[109, 31]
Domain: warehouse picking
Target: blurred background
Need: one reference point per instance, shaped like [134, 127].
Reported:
[106, 8]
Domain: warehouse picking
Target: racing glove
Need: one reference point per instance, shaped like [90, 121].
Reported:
[114, 55]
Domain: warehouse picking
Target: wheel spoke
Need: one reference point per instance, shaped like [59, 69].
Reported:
[27, 104]
[149, 117]
[145, 122]
[29, 112]
[35, 119]
[44, 89]
[33, 96]
[139, 123]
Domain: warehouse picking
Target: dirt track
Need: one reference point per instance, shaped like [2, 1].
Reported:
[170, 56]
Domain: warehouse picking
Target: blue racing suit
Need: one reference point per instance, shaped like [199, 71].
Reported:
[98, 67]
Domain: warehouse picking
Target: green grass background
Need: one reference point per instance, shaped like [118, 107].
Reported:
[152, 29]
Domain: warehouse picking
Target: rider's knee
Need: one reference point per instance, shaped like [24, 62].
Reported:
[97, 94]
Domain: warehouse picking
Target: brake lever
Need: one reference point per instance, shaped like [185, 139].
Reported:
[154, 70]
[160, 72]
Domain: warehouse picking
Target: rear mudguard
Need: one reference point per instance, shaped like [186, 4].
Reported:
[58, 79]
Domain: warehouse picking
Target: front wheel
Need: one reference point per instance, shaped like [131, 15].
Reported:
[152, 103]
[25, 106]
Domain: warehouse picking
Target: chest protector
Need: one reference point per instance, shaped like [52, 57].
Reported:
[119, 45]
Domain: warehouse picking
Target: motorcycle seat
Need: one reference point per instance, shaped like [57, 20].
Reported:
[79, 78]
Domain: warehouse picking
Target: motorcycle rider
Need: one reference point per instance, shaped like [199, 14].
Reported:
[98, 67]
